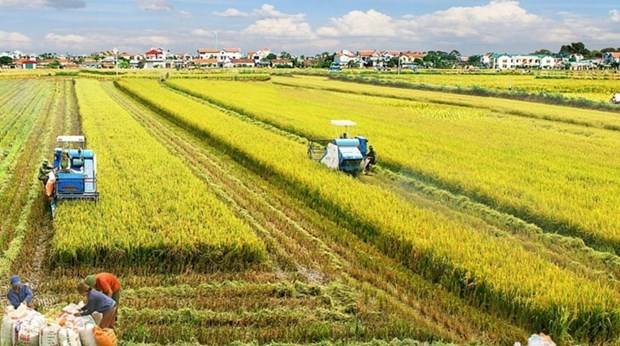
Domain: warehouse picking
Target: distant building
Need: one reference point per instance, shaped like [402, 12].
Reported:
[512, 61]
[155, 58]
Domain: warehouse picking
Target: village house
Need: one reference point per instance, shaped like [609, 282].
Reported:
[259, 55]
[368, 58]
[240, 63]
[407, 59]
[205, 63]
[511, 61]
[282, 63]
[346, 58]
[134, 59]
[155, 58]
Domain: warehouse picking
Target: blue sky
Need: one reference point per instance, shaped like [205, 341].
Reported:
[307, 27]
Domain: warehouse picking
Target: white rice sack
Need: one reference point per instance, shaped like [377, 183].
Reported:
[69, 337]
[48, 336]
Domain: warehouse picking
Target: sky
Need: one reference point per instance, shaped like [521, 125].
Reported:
[307, 27]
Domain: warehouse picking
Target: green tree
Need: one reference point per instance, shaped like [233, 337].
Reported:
[6, 60]
[54, 64]
[474, 60]
[47, 56]
[285, 55]
[543, 52]
[575, 48]
[270, 57]
[393, 62]
[123, 63]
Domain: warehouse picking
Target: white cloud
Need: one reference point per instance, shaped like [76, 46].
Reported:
[358, 23]
[268, 10]
[277, 24]
[14, 39]
[615, 16]
[231, 12]
[184, 14]
[62, 40]
[202, 32]
[281, 27]
[155, 5]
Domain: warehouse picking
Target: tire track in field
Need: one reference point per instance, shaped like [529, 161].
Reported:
[37, 240]
[344, 257]
[16, 189]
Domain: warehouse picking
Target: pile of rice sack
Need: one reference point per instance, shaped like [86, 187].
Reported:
[26, 327]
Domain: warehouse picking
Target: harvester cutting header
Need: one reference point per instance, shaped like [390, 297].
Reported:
[351, 155]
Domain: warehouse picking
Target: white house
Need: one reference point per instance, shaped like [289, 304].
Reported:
[240, 63]
[13, 55]
[228, 54]
[259, 54]
[407, 59]
[134, 59]
[155, 58]
[344, 57]
[511, 61]
[368, 57]
[208, 53]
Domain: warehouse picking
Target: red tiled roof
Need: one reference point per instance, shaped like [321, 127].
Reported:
[242, 61]
[205, 61]
[153, 52]
[232, 50]
[207, 50]
[366, 52]
[281, 61]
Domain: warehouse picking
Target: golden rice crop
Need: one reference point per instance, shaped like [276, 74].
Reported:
[152, 210]
[501, 274]
[574, 86]
[563, 177]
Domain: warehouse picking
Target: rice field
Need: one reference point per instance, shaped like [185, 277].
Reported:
[486, 220]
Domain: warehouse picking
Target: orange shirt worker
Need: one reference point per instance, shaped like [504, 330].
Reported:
[106, 283]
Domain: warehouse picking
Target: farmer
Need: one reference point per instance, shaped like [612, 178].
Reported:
[106, 283]
[371, 158]
[19, 293]
[65, 163]
[97, 302]
[44, 171]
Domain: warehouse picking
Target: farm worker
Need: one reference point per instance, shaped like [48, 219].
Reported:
[65, 162]
[97, 302]
[106, 283]
[19, 293]
[371, 158]
[44, 171]
[49, 186]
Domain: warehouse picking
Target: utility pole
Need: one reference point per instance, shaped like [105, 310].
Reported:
[116, 60]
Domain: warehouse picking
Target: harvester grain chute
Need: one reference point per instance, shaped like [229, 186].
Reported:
[342, 153]
[75, 171]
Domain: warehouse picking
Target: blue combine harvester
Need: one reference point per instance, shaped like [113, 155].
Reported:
[343, 153]
[76, 171]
